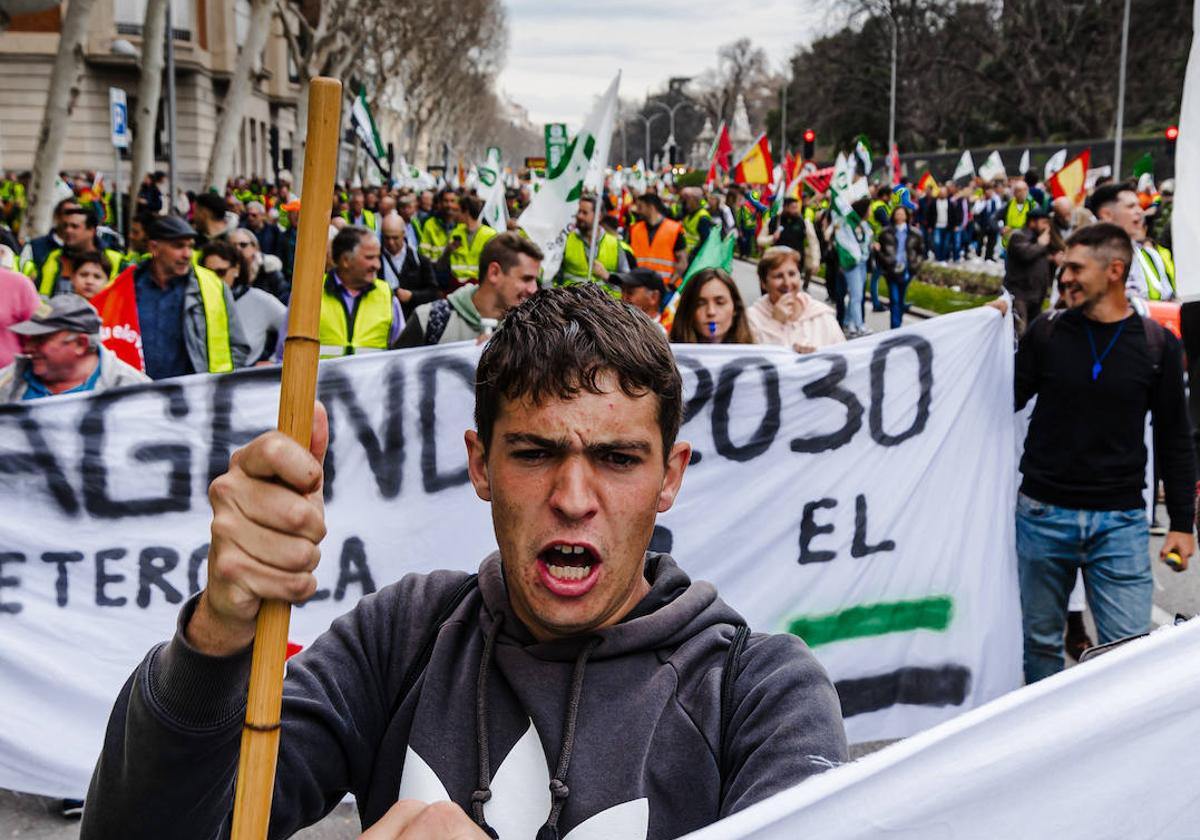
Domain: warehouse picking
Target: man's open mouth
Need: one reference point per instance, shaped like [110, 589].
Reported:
[568, 569]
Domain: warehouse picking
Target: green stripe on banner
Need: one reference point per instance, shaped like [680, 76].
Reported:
[874, 620]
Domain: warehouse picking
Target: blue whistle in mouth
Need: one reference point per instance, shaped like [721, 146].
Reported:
[712, 328]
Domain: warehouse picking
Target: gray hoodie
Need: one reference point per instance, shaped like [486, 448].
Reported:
[625, 720]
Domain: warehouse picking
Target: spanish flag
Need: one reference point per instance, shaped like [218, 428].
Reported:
[756, 165]
[1071, 180]
[926, 182]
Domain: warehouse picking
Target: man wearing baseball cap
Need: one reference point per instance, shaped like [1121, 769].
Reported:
[642, 289]
[185, 311]
[61, 353]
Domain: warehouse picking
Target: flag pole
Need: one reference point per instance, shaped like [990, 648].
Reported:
[260, 736]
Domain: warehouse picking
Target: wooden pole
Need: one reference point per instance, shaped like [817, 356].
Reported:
[260, 737]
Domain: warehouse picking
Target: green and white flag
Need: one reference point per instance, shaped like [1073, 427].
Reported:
[843, 192]
[861, 161]
[364, 126]
[490, 186]
[550, 215]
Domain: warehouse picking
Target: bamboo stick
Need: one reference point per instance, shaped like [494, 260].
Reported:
[260, 737]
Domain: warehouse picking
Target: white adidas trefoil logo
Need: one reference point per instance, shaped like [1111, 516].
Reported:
[521, 797]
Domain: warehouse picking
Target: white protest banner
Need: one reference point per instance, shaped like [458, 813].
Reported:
[861, 497]
[1095, 751]
[1185, 221]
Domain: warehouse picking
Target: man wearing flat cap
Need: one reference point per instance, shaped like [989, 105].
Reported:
[1029, 266]
[61, 353]
[185, 312]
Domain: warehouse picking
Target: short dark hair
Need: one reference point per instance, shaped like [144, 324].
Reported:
[654, 200]
[85, 257]
[1106, 195]
[505, 248]
[558, 344]
[1107, 241]
[472, 205]
[347, 240]
[90, 219]
[213, 203]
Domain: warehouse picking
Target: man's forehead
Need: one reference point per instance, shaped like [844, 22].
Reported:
[586, 416]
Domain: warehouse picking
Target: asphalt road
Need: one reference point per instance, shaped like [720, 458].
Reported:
[36, 818]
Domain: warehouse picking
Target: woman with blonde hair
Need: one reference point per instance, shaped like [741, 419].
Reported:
[711, 311]
[786, 314]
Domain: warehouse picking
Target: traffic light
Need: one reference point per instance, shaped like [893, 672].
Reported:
[810, 141]
[1172, 134]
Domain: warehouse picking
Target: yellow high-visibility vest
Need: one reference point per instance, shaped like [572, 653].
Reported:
[365, 329]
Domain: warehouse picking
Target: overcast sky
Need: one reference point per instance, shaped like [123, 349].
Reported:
[563, 53]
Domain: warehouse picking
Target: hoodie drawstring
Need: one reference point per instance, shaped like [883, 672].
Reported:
[559, 792]
[484, 791]
[558, 785]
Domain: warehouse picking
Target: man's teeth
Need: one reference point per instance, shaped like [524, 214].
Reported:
[569, 549]
[569, 572]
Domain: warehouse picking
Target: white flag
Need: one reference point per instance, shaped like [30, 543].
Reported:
[551, 213]
[637, 178]
[965, 168]
[993, 167]
[1023, 167]
[491, 188]
[1057, 161]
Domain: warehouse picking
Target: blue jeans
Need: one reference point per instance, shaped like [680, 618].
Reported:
[856, 281]
[941, 243]
[897, 288]
[876, 273]
[1113, 549]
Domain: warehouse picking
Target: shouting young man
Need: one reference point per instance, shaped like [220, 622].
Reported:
[578, 686]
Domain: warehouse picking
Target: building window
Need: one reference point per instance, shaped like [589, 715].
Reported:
[130, 14]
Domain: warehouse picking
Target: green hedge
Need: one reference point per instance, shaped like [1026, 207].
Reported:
[971, 282]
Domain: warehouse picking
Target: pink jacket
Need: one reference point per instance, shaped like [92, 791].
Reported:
[810, 323]
[18, 300]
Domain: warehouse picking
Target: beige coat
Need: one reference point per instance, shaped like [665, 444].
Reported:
[801, 320]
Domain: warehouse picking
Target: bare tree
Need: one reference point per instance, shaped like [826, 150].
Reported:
[741, 68]
[154, 30]
[65, 79]
[229, 122]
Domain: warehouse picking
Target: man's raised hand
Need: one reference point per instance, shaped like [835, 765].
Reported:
[412, 820]
[268, 522]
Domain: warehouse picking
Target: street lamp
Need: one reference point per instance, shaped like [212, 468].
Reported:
[892, 103]
[671, 134]
[652, 118]
[1121, 97]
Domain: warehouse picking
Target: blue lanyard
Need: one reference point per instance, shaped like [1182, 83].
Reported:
[1097, 361]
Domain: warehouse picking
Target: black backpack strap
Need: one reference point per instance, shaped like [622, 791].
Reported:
[419, 664]
[1156, 342]
[740, 634]
[439, 319]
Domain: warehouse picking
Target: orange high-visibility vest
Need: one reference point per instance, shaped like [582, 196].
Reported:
[657, 255]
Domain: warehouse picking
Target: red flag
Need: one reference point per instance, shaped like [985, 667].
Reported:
[724, 148]
[711, 178]
[819, 179]
[790, 166]
[119, 329]
[895, 165]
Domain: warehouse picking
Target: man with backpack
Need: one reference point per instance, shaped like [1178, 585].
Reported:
[508, 274]
[579, 686]
[1096, 369]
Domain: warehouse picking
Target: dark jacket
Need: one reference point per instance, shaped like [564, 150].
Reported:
[914, 250]
[270, 238]
[416, 273]
[1028, 270]
[646, 748]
